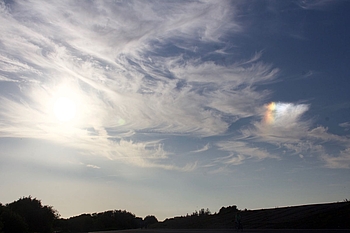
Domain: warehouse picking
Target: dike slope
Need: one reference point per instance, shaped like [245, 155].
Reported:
[315, 216]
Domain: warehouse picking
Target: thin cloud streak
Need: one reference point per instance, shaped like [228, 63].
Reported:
[314, 4]
[340, 161]
[345, 125]
[204, 148]
[240, 151]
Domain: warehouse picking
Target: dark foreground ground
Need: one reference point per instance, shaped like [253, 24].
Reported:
[313, 216]
[229, 231]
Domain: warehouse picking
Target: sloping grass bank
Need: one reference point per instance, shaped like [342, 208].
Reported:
[316, 216]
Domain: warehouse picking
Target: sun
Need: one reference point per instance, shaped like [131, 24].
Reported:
[64, 109]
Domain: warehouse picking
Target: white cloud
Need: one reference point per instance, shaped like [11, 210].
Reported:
[233, 159]
[340, 161]
[106, 57]
[5, 79]
[236, 75]
[345, 125]
[97, 51]
[321, 133]
[73, 43]
[281, 123]
[314, 4]
[241, 150]
[204, 148]
[93, 166]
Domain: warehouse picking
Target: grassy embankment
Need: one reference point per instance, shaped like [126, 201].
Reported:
[315, 216]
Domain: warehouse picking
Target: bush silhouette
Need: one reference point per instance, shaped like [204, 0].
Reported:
[11, 222]
[38, 218]
[149, 220]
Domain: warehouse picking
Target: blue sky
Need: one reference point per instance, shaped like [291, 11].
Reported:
[166, 107]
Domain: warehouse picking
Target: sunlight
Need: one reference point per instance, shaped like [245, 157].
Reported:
[64, 109]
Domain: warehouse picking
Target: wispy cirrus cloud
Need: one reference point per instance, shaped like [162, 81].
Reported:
[240, 151]
[204, 148]
[340, 161]
[93, 166]
[283, 126]
[345, 125]
[106, 58]
[282, 122]
[140, 68]
[314, 4]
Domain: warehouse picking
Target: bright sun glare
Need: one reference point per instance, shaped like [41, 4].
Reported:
[64, 109]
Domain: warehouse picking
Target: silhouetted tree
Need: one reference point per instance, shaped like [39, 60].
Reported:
[149, 220]
[108, 220]
[115, 220]
[11, 222]
[204, 212]
[81, 223]
[229, 209]
[195, 213]
[39, 218]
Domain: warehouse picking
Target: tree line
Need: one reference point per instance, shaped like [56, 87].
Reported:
[202, 219]
[28, 215]
[104, 221]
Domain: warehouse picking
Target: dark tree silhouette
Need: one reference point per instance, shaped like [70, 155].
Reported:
[204, 212]
[104, 221]
[229, 209]
[81, 223]
[115, 220]
[149, 220]
[39, 218]
[11, 222]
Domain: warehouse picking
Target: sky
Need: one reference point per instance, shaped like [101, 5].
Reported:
[166, 107]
